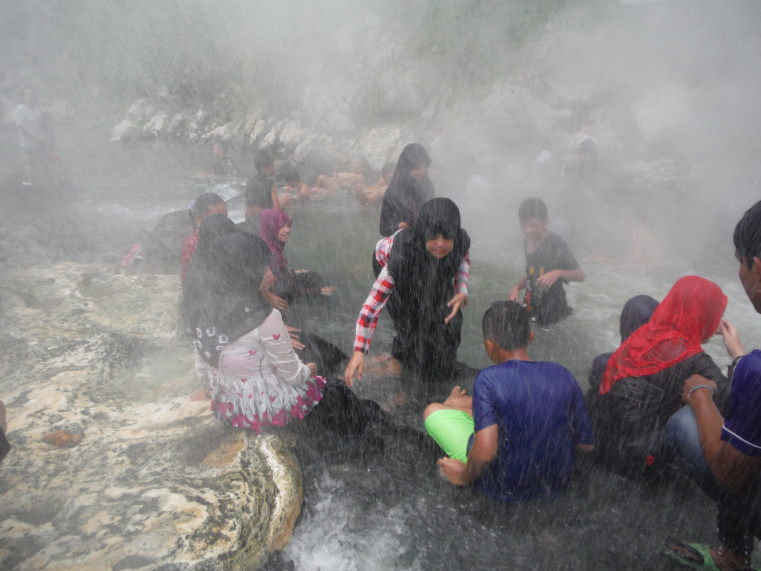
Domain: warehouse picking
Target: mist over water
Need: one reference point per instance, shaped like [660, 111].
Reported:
[667, 90]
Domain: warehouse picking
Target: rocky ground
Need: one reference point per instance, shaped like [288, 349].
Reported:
[113, 465]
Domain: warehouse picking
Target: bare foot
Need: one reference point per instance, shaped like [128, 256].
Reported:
[397, 400]
[383, 366]
[200, 394]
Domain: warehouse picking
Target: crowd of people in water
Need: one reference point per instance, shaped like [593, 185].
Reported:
[657, 409]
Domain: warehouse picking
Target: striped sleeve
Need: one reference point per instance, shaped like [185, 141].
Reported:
[463, 275]
[370, 312]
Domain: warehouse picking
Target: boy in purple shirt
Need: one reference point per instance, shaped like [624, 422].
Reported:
[723, 453]
[516, 438]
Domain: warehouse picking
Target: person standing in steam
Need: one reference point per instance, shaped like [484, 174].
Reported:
[409, 188]
[425, 268]
[261, 190]
[549, 265]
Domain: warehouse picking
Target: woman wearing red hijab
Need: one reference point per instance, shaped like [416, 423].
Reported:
[642, 383]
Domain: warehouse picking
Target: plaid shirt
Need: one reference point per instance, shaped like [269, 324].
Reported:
[382, 288]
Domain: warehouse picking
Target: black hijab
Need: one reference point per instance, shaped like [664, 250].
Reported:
[415, 271]
[636, 312]
[405, 195]
[227, 303]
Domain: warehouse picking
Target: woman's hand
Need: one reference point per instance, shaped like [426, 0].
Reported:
[514, 294]
[313, 368]
[403, 225]
[293, 333]
[458, 301]
[731, 339]
[355, 368]
[276, 301]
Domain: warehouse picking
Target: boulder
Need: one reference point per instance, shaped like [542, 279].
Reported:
[127, 132]
[148, 477]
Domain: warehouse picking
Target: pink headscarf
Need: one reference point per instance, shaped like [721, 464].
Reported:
[271, 221]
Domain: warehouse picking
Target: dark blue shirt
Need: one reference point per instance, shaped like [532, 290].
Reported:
[742, 424]
[541, 416]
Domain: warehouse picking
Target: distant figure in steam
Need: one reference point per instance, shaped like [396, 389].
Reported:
[261, 190]
[352, 178]
[409, 188]
[516, 438]
[549, 265]
[294, 189]
[424, 278]
[373, 195]
[223, 164]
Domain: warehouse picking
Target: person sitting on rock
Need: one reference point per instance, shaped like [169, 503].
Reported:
[261, 190]
[256, 378]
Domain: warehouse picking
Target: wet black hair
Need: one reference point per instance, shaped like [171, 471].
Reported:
[532, 208]
[204, 203]
[290, 174]
[262, 160]
[747, 236]
[506, 323]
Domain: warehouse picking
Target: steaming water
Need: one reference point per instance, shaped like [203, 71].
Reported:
[377, 502]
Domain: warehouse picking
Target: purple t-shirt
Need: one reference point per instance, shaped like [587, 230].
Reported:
[742, 423]
[541, 416]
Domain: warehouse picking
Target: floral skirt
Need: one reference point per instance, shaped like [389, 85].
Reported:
[256, 401]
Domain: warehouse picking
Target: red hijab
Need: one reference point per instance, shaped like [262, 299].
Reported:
[690, 314]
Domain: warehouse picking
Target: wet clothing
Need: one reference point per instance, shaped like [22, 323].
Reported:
[635, 313]
[550, 305]
[245, 354]
[290, 284]
[630, 419]
[641, 387]
[689, 314]
[405, 195]
[259, 191]
[739, 513]
[382, 289]
[452, 430]
[422, 285]
[541, 417]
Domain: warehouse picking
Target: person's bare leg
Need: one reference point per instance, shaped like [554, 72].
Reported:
[457, 400]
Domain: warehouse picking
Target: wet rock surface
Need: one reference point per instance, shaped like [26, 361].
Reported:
[113, 465]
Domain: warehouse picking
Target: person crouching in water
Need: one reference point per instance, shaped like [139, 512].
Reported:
[516, 438]
[425, 271]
